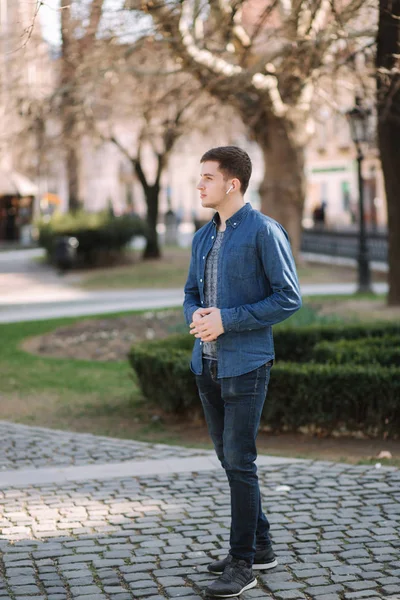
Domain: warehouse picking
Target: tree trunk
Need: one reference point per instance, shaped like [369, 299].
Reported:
[152, 249]
[283, 189]
[389, 144]
[73, 175]
[388, 95]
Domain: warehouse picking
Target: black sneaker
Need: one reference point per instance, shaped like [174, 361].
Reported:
[263, 560]
[237, 578]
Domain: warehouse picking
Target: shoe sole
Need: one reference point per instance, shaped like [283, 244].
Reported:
[246, 587]
[265, 566]
[258, 566]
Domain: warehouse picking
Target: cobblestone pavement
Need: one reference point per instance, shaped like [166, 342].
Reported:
[335, 532]
[23, 446]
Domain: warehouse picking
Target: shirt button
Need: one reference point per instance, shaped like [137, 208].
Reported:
[204, 257]
[212, 237]
[201, 281]
[202, 301]
[234, 223]
[201, 343]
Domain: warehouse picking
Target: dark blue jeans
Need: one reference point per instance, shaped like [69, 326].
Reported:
[232, 408]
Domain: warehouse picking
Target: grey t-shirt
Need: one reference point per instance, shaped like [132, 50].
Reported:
[210, 288]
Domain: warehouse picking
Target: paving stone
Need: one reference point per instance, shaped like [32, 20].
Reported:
[288, 595]
[80, 590]
[25, 589]
[97, 596]
[391, 589]
[344, 578]
[316, 591]
[305, 573]
[360, 594]
[285, 585]
[176, 592]
[21, 580]
[171, 581]
[318, 558]
[75, 573]
[173, 572]
[114, 589]
[143, 593]
[317, 581]
[360, 585]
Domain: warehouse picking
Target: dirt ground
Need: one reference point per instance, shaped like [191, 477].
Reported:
[105, 339]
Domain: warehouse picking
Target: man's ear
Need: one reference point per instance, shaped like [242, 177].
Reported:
[236, 184]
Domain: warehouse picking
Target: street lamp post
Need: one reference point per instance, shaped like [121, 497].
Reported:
[358, 118]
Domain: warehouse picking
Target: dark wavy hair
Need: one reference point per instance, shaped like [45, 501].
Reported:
[233, 162]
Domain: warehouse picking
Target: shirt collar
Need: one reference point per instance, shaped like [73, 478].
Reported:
[236, 218]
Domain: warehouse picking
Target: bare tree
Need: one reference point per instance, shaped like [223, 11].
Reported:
[77, 44]
[388, 101]
[160, 104]
[265, 58]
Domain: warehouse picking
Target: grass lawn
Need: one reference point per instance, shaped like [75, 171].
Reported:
[171, 272]
[103, 398]
[57, 392]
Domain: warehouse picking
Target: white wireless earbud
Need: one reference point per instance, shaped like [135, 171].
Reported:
[230, 189]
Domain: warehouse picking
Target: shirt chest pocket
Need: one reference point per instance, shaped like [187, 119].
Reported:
[241, 263]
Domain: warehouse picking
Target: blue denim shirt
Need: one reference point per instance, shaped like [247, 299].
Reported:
[257, 287]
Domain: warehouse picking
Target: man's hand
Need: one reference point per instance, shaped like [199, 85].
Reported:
[207, 324]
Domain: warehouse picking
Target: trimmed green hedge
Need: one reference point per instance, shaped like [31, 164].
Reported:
[99, 234]
[297, 344]
[329, 396]
[383, 351]
[163, 371]
[356, 397]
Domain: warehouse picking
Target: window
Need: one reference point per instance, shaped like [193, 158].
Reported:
[346, 195]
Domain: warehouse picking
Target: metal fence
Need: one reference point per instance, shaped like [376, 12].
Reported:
[344, 243]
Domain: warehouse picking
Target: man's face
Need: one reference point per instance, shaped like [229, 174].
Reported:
[212, 185]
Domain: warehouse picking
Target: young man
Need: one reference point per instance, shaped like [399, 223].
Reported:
[242, 280]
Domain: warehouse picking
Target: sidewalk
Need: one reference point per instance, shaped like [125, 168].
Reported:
[82, 519]
[52, 302]
[33, 291]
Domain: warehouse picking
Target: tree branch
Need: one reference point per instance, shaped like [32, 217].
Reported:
[120, 147]
[230, 13]
[270, 83]
[320, 18]
[96, 10]
[205, 58]
[285, 8]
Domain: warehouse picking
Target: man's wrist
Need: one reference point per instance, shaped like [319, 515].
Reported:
[227, 319]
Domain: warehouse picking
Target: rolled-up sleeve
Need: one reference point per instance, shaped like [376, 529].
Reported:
[279, 267]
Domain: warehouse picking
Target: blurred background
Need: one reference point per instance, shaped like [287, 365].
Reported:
[106, 107]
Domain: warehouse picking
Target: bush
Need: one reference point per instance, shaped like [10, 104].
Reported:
[383, 351]
[328, 396]
[164, 374]
[100, 235]
[331, 397]
[297, 344]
